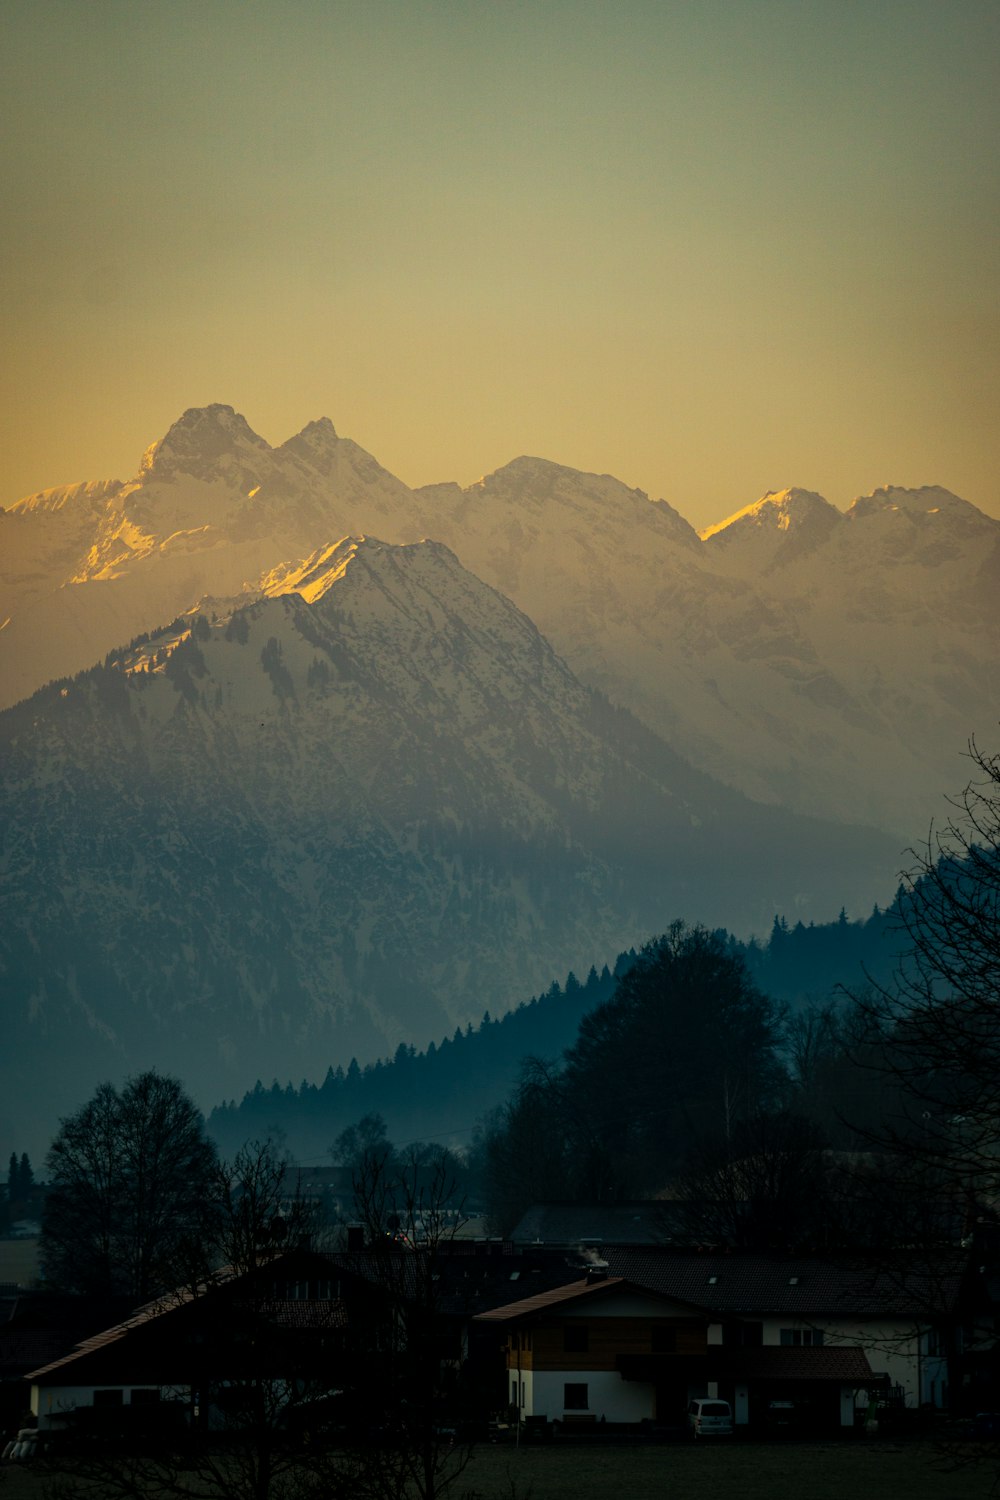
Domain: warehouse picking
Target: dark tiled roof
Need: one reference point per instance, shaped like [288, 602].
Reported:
[799, 1286]
[23, 1348]
[556, 1297]
[771, 1362]
[463, 1287]
[846, 1366]
[303, 1314]
[108, 1336]
[582, 1292]
[287, 1264]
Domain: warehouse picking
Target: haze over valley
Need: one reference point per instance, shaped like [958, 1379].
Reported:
[365, 785]
[477, 484]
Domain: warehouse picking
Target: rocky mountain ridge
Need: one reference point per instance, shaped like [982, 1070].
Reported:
[357, 810]
[828, 661]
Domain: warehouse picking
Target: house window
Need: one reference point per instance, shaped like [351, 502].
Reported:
[574, 1397]
[513, 1393]
[576, 1338]
[145, 1397]
[663, 1338]
[740, 1334]
[109, 1398]
[801, 1338]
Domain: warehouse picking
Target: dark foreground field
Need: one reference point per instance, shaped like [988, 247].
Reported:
[804, 1471]
[800, 1471]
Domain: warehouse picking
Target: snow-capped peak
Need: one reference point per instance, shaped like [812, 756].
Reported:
[316, 444]
[915, 504]
[778, 510]
[312, 577]
[90, 494]
[205, 442]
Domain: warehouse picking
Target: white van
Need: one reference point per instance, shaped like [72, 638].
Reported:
[709, 1417]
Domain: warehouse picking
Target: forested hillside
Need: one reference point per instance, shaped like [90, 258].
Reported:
[444, 1090]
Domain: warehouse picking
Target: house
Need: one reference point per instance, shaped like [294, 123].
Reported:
[564, 1349]
[905, 1315]
[380, 1326]
[300, 1325]
[609, 1349]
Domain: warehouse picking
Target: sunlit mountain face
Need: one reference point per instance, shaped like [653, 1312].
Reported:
[829, 662]
[311, 793]
[358, 809]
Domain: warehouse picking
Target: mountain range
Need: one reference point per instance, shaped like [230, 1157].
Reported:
[834, 663]
[355, 810]
[341, 789]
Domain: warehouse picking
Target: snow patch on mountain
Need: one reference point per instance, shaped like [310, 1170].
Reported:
[829, 661]
[348, 812]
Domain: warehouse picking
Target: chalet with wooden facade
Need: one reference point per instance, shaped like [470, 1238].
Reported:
[611, 1350]
[566, 1351]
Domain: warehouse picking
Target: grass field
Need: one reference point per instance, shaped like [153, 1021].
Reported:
[750, 1471]
[800, 1471]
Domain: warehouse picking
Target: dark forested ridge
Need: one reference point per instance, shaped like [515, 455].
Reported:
[445, 1089]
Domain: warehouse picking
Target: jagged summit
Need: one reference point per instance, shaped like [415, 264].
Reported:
[204, 442]
[216, 442]
[567, 497]
[528, 473]
[915, 504]
[526, 469]
[781, 652]
[316, 575]
[778, 510]
[312, 577]
[316, 444]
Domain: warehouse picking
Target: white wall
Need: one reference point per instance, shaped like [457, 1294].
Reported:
[892, 1345]
[608, 1395]
[47, 1401]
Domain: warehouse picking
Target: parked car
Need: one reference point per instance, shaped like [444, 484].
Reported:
[707, 1416]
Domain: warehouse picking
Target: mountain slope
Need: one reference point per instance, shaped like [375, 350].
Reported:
[827, 662]
[336, 819]
[212, 507]
[898, 600]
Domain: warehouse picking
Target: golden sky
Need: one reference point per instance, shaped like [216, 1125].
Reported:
[713, 247]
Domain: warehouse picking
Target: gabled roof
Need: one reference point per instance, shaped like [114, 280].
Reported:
[464, 1286]
[43, 1326]
[145, 1315]
[284, 1312]
[743, 1285]
[575, 1296]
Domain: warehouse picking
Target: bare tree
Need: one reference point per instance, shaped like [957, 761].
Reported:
[410, 1206]
[130, 1185]
[939, 1020]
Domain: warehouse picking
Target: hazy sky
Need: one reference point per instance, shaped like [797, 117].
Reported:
[712, 248]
